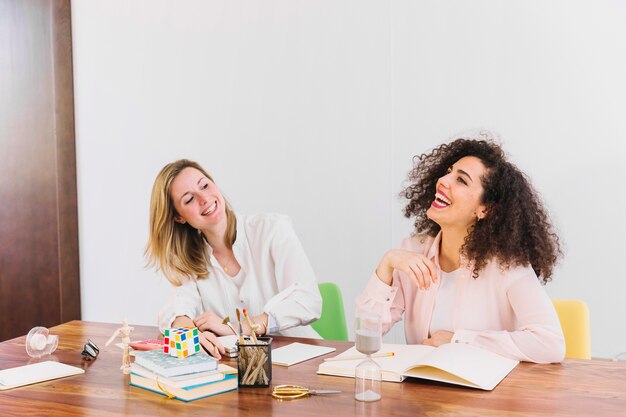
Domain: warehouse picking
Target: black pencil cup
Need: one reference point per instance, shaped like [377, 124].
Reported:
[254, 363]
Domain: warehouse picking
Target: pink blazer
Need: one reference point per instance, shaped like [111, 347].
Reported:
[504, 311]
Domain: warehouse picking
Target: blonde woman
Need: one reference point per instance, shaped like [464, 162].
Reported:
[218, 261]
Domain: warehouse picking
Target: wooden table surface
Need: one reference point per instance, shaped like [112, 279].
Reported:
[573, 388]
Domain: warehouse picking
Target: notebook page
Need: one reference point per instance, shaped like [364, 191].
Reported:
[404, 357]
[479, 366]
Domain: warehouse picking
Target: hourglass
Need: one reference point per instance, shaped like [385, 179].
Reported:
[368, 372]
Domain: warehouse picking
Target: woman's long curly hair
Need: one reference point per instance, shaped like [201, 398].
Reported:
[516, 230]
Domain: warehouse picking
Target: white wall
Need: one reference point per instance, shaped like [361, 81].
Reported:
[314, 109]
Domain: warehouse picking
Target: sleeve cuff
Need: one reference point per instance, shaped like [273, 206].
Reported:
[272, 327]
[167, 320]
[379, 291]
[464, 336]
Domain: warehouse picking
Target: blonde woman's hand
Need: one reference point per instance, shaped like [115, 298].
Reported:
[211, 322]
[414, 264]
[439, 338]
[208, 339]
[211, 344]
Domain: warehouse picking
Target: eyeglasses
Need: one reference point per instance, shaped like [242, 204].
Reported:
[90, 351]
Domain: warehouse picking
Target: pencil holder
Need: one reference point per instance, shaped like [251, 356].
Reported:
[254, 363]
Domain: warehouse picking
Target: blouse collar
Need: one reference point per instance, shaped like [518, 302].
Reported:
[433, 253]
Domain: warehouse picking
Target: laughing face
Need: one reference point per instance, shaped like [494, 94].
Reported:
[198, 201]
[457, 200]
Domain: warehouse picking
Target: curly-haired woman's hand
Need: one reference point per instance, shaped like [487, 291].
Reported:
[414, 264]
[439, 338]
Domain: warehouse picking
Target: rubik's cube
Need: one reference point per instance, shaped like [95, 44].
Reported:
[181, 342]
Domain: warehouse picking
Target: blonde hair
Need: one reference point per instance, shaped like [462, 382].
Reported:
[179, 250]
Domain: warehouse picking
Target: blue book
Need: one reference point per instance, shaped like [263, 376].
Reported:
[163, 364]
[229, 383]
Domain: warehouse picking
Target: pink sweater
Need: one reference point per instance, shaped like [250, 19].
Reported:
[507, 312]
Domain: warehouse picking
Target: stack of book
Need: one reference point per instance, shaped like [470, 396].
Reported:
[186, 379]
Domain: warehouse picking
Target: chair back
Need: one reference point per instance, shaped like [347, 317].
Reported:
[574, 318]
[332, 323]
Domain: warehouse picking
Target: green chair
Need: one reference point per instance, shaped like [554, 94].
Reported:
[332, 324]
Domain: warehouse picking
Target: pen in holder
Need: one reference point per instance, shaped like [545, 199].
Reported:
[254, 363]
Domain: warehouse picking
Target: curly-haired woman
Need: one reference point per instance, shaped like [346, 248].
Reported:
[473, 270]
[219, 261]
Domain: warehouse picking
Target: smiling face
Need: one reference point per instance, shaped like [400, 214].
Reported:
[197, 200]
[458, 195]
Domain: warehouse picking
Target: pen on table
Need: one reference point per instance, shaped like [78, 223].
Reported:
[357, 357]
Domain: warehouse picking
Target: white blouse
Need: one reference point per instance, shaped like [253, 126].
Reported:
[444, 303]
[275, 277]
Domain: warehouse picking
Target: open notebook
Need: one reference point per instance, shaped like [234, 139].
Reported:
[36, 372]
[454, 363]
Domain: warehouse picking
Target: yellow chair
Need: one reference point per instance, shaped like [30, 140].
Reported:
[574, 318]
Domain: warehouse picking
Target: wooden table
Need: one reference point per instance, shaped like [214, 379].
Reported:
[573, 388]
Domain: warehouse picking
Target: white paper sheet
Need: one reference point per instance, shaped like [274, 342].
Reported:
[298, 352]
[36, 372]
